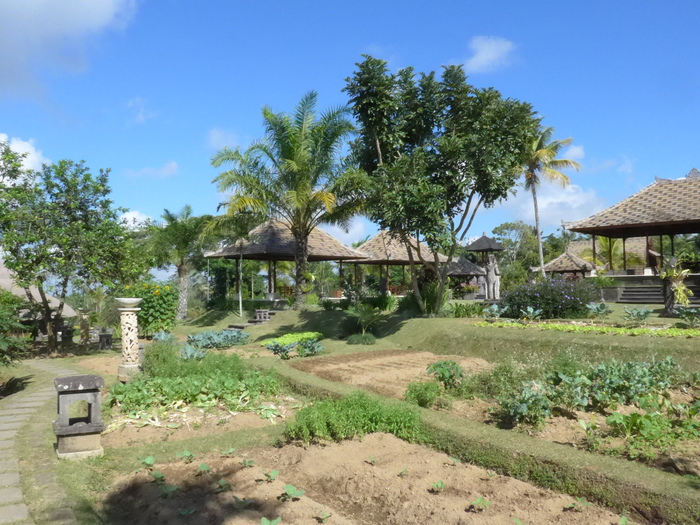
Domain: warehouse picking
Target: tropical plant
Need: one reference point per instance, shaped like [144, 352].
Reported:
[177, 241]
[610, 255]
[293, 174]
[674, 289]
[366, 315]
[542, 163]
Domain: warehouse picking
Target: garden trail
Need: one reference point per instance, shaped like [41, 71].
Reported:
[21, 418]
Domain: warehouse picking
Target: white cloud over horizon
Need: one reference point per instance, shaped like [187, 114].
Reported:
[52, 33]
[169, 169]
[488, 54]
[575, 152]
[35, 157]
[218, 138]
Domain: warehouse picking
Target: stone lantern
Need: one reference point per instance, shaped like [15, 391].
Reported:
[130, 364]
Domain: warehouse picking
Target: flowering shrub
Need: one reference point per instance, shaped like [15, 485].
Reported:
[556, 298]
[158, 308]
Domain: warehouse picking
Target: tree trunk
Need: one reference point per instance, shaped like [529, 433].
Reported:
[184, 292]
[301, 255]
[538, 233]
[669, 297]
[52, 337]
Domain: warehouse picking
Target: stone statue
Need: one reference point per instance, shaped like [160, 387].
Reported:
[493, 279]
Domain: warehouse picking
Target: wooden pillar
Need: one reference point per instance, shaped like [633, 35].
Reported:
[661, 250]
[624, 254]
[274, 276]
[341, 277]
[673, 250]
[595, 265]
[269, 276]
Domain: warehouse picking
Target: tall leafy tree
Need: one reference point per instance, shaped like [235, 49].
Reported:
[435, 152]
[58, 230]
[294, 174]
[542, 164]
[177, 242]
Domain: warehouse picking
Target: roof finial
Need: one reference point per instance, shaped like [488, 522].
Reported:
[693, 174]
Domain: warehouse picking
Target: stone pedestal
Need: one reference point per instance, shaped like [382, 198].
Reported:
[131, 364]
[79, 437]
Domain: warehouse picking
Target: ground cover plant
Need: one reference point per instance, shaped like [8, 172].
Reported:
[600, 329]
[294, 337]
[220, 339]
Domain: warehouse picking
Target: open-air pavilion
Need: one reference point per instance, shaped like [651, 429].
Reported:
[567, 264]
[667, 207]
[273, 241]
[484, 245]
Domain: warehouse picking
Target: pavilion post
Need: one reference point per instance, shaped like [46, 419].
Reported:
[624, 254]
[673, 250]
[274, 277]
[269, 277]
[341, 276]
[661, 249]
[595, 266]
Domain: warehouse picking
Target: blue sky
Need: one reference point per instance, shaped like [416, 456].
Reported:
[153, 89]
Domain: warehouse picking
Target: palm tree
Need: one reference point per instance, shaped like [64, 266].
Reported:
[294, 174]
[542, 162]
[177, 241]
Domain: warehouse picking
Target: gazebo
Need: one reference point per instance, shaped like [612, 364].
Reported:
[465, 268]
[485, 245]
[567, 263]
[385, 250]
[666, 207]
[272, 241]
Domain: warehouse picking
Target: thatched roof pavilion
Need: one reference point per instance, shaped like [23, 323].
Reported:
[273, 241]
[8, 283]
[465, 268]
[386, 250]
[666, 207]
[567, 262]
[485, 244]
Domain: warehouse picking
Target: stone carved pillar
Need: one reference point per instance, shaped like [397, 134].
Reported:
[130, 364]
[84, 326]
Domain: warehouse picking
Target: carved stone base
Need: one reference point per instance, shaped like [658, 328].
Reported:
[126, 372]
[79, 447]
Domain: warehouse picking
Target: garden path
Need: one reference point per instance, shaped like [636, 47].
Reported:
[22, 419]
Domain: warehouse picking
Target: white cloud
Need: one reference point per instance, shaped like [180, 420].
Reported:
[218, 138]
[134, 219]
[167, 170]
[489, 54]
[359, 229]
[35, 157]
[139, 110]
[576, 153]
[626, 166]
[52, 33]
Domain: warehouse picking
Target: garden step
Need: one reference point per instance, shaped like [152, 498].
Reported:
[233, 327]
[652, 294]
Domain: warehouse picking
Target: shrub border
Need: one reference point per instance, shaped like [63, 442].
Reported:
[654, 496]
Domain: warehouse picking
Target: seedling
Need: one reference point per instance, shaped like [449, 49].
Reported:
[455, 461]
[517, 521]
[323, 517]
[578, 505]
[291, 493]
[222, 421]
[186, 456]
[480, 504]
[148, 462]
[203, 469]
[172, 425]
[624, 520]
[271, 476]
[370, 460]
[228, 453]
[265, 521]
[242, 503]
[222, 486]
[158, 476]
[168, 490]
[437, 487]
[403, 473]
[247, 463]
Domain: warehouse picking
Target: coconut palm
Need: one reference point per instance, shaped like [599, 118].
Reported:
[177, 241]
[294, 174]
[542, 163]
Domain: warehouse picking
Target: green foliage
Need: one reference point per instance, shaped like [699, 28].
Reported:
[294, 337]
[271, 476]
[360, 339]
[291, 493]
[460, 310]
[636, 315]
[531, 405]
[367, 316]
[382, 302]
[148, 462]
[186, 456]
[494, 311]
[556, 298]
[168, 379]
[480, 504]
[530, 314]
[222, 339]
[158, 308]
[598, 311]
[438, 487]
[312, 299]
[423, 394]
[501, 380]
[11, 345]
[190, 352]
[610, 330]
[354, 415]
[280, 349]
[308, 348]
[449, 373]
[690, 316]
[265, 521]
[328, 305]
[203, 469]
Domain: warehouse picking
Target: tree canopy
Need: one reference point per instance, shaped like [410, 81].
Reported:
[435, 151]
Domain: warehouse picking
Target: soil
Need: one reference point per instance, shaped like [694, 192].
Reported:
[385, 372]
[379, 479]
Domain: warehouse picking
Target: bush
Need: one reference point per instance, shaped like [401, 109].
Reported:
[308, 348]
[328, 305]
[280, 349]
[448, 373]
[11, 346]
[382, 302]
[530, 405]
[501, 380]
[556, 298]
[423, 394]
[690, 316]
[294, 337]
[460, 310]
[362, 339]
[158, 308]
[367, 316]
[354, 415]
[222, 339]
[311, 299]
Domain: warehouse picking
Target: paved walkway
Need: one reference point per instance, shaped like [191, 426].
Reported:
[17, 411]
